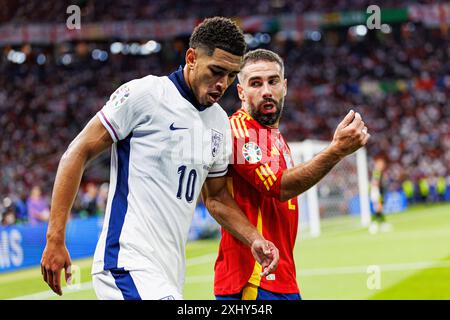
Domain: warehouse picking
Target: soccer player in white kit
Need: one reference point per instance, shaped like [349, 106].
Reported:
[170, 142]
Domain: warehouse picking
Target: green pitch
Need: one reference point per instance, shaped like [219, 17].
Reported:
[346, 262]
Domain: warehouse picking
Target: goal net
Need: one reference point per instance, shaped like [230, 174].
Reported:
[344, 191]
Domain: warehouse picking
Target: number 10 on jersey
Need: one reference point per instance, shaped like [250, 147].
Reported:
[190, 184]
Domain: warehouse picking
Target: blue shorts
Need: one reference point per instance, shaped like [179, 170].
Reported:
[251, 292]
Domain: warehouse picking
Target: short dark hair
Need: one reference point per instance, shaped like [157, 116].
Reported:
[218, 32]
[262, 55]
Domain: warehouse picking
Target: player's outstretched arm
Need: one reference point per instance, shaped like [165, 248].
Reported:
[228, 214]
[350, 135]
[86, 146]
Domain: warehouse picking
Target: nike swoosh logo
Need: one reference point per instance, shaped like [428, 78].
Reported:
[175, 128]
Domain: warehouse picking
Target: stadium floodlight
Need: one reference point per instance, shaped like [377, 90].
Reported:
[116, 47]
[103, 56]
[358, 31]
[344, 191]
[361, 30]
[66, 59]
[315, 36]
[251, 41]
[150, 47]
[263, 37]
[385, 28]
[41, 59]
[95, 54]
[125, 49]
[16, 56]
[157, 48]
[98, 54]
[135, 48]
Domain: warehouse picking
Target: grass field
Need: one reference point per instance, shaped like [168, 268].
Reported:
[413, 260]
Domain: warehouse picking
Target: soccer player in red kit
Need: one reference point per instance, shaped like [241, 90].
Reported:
[265, 183]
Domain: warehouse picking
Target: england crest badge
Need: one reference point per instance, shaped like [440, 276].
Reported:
[216, 140]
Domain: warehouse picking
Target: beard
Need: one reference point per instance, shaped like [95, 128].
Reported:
[268, 119]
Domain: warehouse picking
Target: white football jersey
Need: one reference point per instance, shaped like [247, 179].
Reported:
[165, 146]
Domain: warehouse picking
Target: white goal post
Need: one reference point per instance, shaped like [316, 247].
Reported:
[338, 193]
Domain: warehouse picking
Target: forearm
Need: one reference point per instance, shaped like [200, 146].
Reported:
[302, 177]
[67, 182]
[228, 214]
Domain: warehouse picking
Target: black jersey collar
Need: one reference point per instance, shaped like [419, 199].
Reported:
[177, 78]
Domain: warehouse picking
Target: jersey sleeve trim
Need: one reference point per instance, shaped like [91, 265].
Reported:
[108, 126]
[216, 174]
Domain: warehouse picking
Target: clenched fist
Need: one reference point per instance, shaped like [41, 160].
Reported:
[350, 135]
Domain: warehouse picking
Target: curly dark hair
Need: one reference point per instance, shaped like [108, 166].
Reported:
[218, 32]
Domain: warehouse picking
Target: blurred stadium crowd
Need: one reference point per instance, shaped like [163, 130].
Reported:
[119, 10]
[398, 79]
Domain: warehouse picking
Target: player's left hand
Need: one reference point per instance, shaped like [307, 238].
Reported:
[267, 255]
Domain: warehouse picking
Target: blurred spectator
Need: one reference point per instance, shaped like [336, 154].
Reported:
[102, 197]
[106, 10]
[441, 187]
[21, 207]
[8, 216]
[7, 212]
[88, 203]
[408, 190]
[424, 189]
[38, 209]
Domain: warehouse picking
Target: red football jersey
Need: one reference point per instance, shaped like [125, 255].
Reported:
[260, 155]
